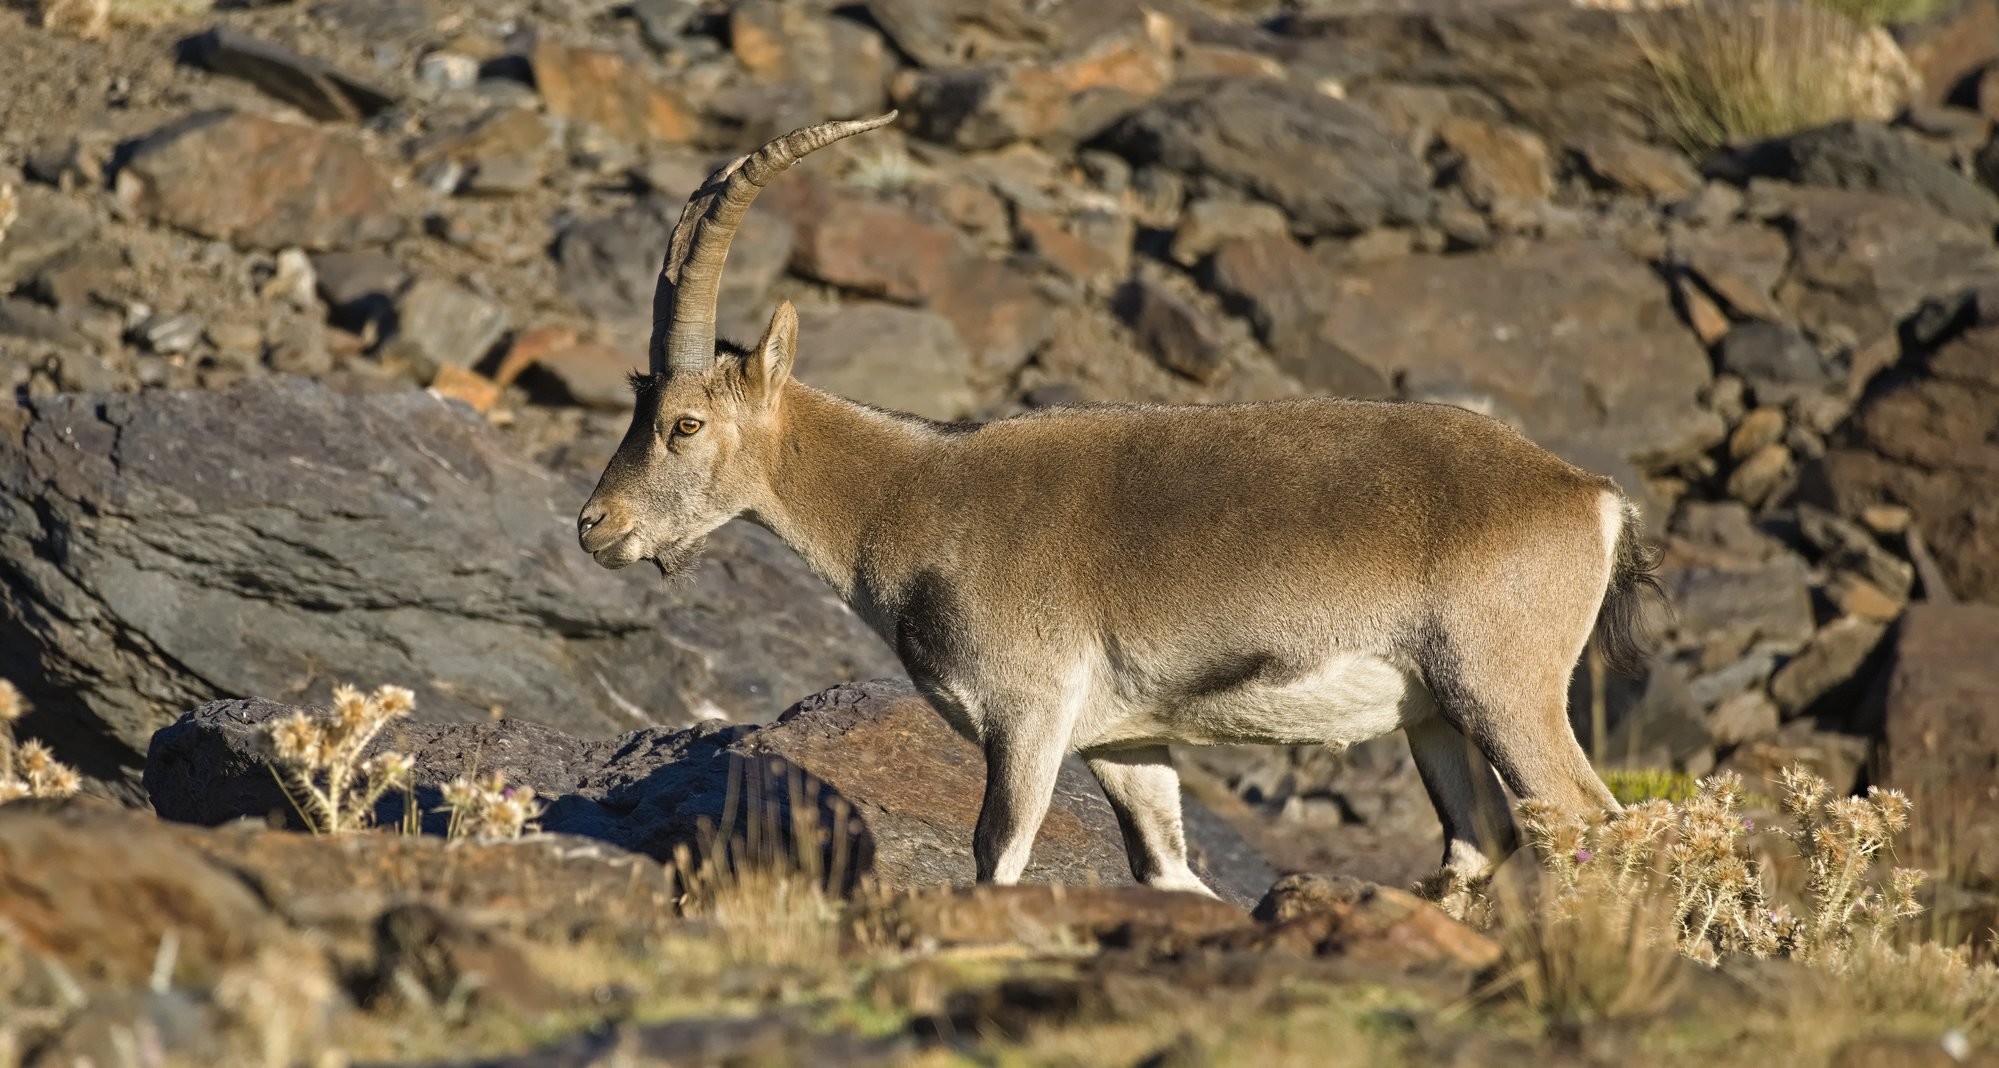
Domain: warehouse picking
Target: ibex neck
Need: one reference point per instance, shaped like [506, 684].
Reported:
[837, 468]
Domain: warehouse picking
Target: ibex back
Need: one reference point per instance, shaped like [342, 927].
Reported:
[1109, 580]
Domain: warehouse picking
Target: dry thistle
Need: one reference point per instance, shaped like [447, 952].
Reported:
[333, 786]
[1694, 855]
[489, 808]
[28, 769]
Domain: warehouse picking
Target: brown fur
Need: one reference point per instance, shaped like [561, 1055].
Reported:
[1109, 580]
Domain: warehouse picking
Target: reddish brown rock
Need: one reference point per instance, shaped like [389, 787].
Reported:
[844, 64]
[260, 183]
[604, 89]
[1067, 99]
[1367, 924]
[1941, 745]
[875, 248]
[1074, 252]
[1628, 165]
[1494, 163]
[1043, 915]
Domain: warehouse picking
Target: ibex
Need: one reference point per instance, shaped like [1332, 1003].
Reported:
[1107, 580]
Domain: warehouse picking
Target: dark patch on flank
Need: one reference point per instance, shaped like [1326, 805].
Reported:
[1443, 674]
[1225, 672]
[930, 627]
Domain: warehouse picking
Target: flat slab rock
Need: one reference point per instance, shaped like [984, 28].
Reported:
[165, 549]
[876, 750]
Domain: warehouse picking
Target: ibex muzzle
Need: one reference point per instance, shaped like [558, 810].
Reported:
[1109, 580]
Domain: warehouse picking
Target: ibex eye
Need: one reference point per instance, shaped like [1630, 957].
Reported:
[687, 427]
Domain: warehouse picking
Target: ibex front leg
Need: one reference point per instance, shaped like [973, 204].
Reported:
[1023, 757]
[1144, 791]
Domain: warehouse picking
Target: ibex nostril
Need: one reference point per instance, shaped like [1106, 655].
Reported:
[588, 521]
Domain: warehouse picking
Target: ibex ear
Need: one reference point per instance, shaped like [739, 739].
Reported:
[770, 364]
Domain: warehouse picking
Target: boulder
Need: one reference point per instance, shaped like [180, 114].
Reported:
[1733, 603]
[1176, 332]
[870, 769]
[1058, 100]
[845, 64]
[165, 549]
[609, 266]
[1332, 166]
[440, 323]
[903, 359]
[226, 893]
[1924, 437]
[314, 86]
[1941, 741]
[1576, 337]
[611, 93]
[1871, 157]
[1863, 261]
[260, 183]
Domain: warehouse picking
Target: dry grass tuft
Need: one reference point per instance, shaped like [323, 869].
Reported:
[1729, 72]
[28, 769]
[768, 875]
[320, 761]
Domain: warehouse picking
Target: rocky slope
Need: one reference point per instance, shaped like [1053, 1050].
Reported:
[315, 316]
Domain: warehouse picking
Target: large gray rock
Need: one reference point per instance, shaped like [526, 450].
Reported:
[1869, 156]
[1862, 261]
[1926, 436]
[609, 266]
[905, 359]
[1331, 165]
[1574, 338]
[910, 786]
[161, 550]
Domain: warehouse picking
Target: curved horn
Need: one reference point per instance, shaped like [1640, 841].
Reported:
[683, 304]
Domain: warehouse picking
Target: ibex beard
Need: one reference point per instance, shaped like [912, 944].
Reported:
[1111, 580]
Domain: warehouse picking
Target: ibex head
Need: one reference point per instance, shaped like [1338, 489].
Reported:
[705, 421]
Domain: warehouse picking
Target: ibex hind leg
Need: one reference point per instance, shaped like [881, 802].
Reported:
[1479, 833]
[1509, 695]
[1144, 791]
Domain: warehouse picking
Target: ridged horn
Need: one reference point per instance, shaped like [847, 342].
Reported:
[690, 280]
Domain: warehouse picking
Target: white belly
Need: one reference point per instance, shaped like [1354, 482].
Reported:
[1347, 698]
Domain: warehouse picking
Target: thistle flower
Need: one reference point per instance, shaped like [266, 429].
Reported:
[395, 701]
[12, 705]
[350, 709]
[297, 740]
[33, 758]
[389, 768]
[61, 780]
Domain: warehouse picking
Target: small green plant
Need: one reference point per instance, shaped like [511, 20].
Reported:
[28, 769]
[1885, 12]
[1633, 786]
[1728, 72]
[322, 762]
[488, 808]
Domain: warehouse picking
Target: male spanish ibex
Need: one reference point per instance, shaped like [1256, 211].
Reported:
[1109, 580]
